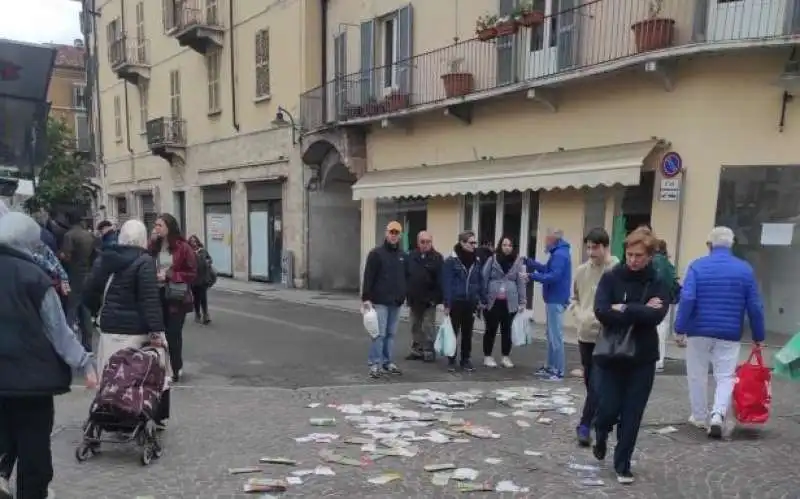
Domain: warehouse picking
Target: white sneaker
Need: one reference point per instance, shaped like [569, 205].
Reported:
[5, 489]
[715, 426]
[489, 362]
[50, 493]
[659, 367]
[698, 423]
[506, 362]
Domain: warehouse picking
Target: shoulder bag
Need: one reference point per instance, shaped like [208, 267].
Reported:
[614, 346]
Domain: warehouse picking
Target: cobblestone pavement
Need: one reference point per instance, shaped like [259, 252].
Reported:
[254, 370]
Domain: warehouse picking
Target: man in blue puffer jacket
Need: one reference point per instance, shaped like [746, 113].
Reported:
[463, 293]
[719, 289]
[556, 279]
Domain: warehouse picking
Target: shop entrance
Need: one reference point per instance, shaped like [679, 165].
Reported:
[635, 210]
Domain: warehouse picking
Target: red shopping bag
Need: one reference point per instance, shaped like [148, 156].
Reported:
[752, 394]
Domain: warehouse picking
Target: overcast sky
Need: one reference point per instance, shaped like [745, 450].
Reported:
[40, 21]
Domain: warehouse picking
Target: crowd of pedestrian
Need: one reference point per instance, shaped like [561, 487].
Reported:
[619, 309]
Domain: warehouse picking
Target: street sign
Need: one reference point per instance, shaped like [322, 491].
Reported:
[671, 164]
[670, 189]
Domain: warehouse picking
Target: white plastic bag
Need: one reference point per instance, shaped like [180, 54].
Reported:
[445, 344]
[522, 329]
[371, 322]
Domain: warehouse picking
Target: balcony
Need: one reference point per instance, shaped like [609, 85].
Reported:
[597, 37]
[166, 137]
[130, 59]
[195, 25]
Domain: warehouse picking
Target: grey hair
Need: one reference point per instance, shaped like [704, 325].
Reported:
[721, 237]
[133, 233]
[19, 231]
[555, 232]
[464, 236]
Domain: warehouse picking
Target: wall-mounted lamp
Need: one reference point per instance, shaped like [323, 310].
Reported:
[280, 120]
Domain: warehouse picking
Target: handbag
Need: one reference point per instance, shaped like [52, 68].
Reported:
[614, 347]
[176, 291]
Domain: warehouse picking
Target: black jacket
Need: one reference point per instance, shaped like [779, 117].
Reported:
[29, 365]
[132, 304]
[634, 289]
[424, 278]
[385, 276]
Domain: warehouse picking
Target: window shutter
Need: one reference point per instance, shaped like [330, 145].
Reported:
[506, 69]
[339, 72]
[792, 19]
[700, 20]
[568, 40]
[168, 14]
[405, 33]
[367, 60]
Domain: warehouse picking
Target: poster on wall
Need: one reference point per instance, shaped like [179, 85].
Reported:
[215, 228]
[777, 234]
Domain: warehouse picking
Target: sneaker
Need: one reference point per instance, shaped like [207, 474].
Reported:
[600, 449]
[391, 368]
[161, 426]
[659, 367]
[625, 478]
[715, 426]
[698, 423]
[584, 436]
[554, 377]
[451, 364]
[506, 362]
[374, 372]
[467, 366]
[5, 489]
[206, 320]
[542, 372]
[197, 318]
[489, 362]
[50, 493]
[414, 356]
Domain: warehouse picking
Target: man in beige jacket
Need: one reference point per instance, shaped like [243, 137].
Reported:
[582, 308]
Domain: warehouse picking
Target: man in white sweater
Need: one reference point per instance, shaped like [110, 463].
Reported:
[582, 308]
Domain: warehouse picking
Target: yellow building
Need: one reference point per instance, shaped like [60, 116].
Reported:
[195, 114]
[568, 123]
[67, 92]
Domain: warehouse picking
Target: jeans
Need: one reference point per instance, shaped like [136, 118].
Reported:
[200, 295]
[623, 391]
[555, 338]
[25, 425]
[173, 323]
[498, 317]
[380, 351]
[423, 321]
[723, 357]
[76, 313]
[462, 317]
[590, 403]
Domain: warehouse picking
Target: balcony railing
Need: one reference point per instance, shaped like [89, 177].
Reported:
[125, 51]
[596, 37]
[184, 14]
[166, 132]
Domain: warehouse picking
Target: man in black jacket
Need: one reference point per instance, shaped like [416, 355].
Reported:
[384, 289]
[424, 293]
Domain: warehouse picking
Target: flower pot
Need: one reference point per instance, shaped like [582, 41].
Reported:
[373, 108]
[506, 28]
[653, 34]
[458, 84]
[486, 34]
[396, 102]
[531, 19]
[353, 111]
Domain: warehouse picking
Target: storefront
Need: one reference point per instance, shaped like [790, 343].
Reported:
[265, 230]
[218, 221]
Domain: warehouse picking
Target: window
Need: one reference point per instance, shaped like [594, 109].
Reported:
[117, 118]
[82, 137]
[113, 32]
[113, 35]
[262, 64]
[143, 97]
[169, 14]
[212, 71]
[121, 204]
[546, 34]
[412, 213]
[389, 51]
[79, 96]
[175, 94]
[141, 51]
[212, 13]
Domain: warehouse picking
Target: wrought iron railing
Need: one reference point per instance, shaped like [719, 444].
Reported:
[166, 132]
[183, 14]
[600, 34]
[129, 51]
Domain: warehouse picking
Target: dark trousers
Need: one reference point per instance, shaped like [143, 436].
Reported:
[200, 294]
[462, 316]
[590, 403]
[76, 313]
[623, 392]
[25, 427]
[498, 317]
[173, 323]
[163, 408]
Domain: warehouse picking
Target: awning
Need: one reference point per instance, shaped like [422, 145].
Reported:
[591, 167]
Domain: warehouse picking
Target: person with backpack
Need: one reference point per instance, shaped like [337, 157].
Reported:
[206, 277]
[666, 272]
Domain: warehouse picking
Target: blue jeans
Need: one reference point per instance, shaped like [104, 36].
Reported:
[555, 338]
[380, 351]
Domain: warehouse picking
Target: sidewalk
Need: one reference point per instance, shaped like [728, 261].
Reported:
[352, 303]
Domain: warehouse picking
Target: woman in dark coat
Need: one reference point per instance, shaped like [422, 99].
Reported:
[177, 270]
[203, 281]
[631, 300]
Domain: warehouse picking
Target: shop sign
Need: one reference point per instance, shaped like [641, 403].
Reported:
[670, 189]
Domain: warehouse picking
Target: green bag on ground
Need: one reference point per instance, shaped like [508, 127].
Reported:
[786, 363]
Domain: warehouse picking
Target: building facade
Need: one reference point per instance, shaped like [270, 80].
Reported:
[67, 92]
[195, 109]
[576, 114]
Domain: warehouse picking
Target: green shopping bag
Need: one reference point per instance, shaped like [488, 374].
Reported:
[786, 362]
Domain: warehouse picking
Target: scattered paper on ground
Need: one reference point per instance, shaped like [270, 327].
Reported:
[384, 479]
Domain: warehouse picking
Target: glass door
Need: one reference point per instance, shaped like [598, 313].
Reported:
[259, 241]
[743, 19]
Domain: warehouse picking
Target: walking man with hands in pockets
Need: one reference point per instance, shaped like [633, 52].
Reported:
[384, 289]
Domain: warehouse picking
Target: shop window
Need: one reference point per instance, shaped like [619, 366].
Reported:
[411, 212]
[594, 211]
[512, 216]
[760, 204]
[469, 202]
[487, 218]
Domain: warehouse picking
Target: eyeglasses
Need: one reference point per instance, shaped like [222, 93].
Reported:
[472, 243]
[394, 232]
[425, 241]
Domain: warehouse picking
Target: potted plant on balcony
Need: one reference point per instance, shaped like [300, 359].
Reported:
[527, 16]
[486, 27]
[655, 32]
[456, 82]
[506, 25]
[396, 100]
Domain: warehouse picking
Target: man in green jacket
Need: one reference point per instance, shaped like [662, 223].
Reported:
[666, 272]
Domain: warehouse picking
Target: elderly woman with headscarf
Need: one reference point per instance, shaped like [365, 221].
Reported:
[122, 293]
[38, 352]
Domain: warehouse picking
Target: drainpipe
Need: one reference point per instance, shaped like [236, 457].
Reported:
[125, 83]
[232, 42]
[679, 237]
[98, 134]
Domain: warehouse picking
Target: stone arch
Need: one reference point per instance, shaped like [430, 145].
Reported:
[327, 162]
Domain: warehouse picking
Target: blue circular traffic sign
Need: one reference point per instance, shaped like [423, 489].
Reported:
[671, 164]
